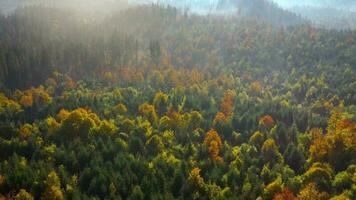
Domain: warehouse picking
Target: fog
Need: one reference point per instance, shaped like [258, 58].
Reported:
[7, 6]
[339, 4]
[193, 5]
[316, 11]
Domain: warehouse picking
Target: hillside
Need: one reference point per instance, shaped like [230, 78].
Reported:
[269, 12]
[327, 17]
[154, 102]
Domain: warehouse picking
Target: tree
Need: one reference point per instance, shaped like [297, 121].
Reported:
[155, 51]
[273, 188]
[267, 121]
[8, 107]
[219, 117]
[52, 125]
[136, 193]
[342, 181]
[107, 127]
[62, 115]
[195, 119]
[23, 195]
[155, 145]
[178, 182]
[257, 139]
[149, 111]
[53, 189]
[80, 123]
[120, 108]
[338, 145]
[69, 83]
[26, 130]
[286, 194]
[195, 179]
[227, 104]
[160, 102]
[213, 142]
[27, 100]
[320, 174]
[255, 87]
[310, 192]
[270, 152]
[37, 96]
[294, 157]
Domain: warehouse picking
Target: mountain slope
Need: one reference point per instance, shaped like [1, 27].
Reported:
[264, 10]
[256, 9]
[327, 17]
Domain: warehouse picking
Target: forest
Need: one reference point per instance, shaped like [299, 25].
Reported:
[157, 102]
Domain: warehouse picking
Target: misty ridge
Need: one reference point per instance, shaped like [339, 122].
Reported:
[339, 14]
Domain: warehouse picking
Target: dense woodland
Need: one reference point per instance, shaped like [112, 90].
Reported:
[154, 102]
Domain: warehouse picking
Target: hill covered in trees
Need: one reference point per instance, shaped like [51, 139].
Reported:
[326, 17]
[153, 102]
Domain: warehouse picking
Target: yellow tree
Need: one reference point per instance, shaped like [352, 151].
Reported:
[273, 188]
[149, 111]
[195, 179]
[23, 195]
[80, 123]
[8, 107]
[120, 108]
[256, 87]
[53, 189]
[310, 192]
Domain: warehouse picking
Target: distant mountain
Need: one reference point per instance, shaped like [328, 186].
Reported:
[264, 10]
[327, 17]
[336, 4]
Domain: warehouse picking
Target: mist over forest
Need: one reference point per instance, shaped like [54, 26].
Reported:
[317, 12]
[177, 99]
[338, 4]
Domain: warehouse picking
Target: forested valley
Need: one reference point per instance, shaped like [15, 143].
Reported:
[156, 102]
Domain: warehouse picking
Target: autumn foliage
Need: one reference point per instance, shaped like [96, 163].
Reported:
[267, 121]
[286, 194]
[227, 104]
[213, 142]
[195, 177]
[153, 102]
[337, 145]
